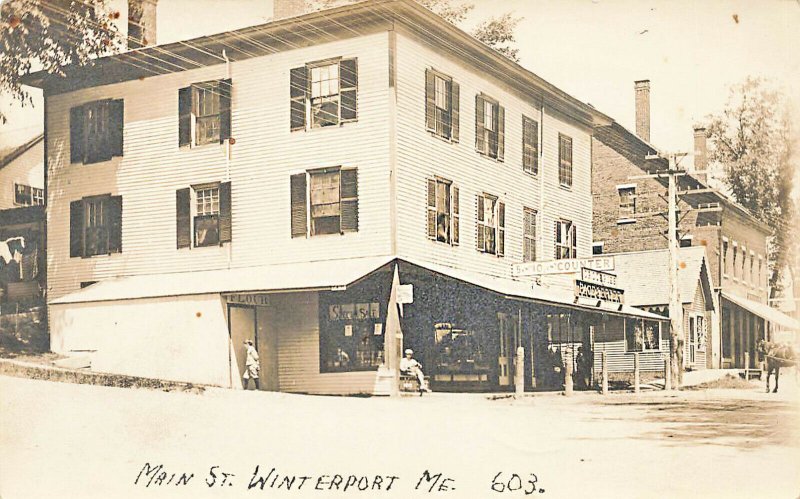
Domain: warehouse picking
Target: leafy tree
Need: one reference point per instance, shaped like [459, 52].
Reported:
[496, 32]
[751, 139]
[47, 34]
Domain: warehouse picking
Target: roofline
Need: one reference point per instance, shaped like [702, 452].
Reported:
[500, 66]
[20, 150]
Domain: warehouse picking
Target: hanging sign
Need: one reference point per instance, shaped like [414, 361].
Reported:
[247, 299]
[596, 291]
[569, 266]
[405, 293]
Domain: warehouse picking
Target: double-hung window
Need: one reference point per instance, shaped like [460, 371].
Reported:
[528, 235]
[204, 113]
[627, 200]
[530, 146]
[443, 211]
[203, 215]
[489, 127]
[96, 226]
[490, 224]
[324, 201]
[441, 105]
[26, 195]
[96, 130]
[564, 160]
[323, 94]
[566, 240]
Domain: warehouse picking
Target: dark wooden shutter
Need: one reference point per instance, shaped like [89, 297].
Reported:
[116, 113]
[526, 234]
[348, 76]
[501, 228]
[225, 92]
[299, 208]
[501, 132]
[183, 220]
[557, 239]
[454, 110]
[114, 220]
[76, 228]
[348, 190]
[574, 245]
[431, 209]
[185, 116]
[298, 93]
[430, 100]
[480, 232]
[480, 139]
[225, 220]
[77, 141]
[456, 215]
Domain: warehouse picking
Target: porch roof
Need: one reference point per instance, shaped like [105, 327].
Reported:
[323, 274]
[766, 312]
[529, 290]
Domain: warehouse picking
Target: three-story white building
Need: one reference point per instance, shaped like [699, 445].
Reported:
[268, 184]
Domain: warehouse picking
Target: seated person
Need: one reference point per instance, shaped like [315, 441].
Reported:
[409, 366]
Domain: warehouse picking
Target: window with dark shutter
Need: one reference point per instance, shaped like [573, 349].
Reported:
[530, 146]
[442, 211]
[501, 133]
[564, 160]
[299, 217]
[565, 240]
[431, 211]
[489, 127]
[480, 131]
[206, 217]
[480, 226]
[349, 199]
[183, 219]
[490, 225]
[225, 219]
[348, 76]
[298, 93]
[501, 229]
[96, 131]
[76, 228]
[185, 116]
[455, 113]
[441, 105]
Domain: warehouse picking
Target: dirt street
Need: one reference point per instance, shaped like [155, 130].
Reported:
[67, 440]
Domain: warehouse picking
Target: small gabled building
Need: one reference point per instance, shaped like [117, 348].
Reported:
[644, 277]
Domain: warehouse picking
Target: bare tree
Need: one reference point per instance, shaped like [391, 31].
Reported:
[752, 140]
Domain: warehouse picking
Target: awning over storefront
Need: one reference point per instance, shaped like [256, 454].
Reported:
[764, 311]
[326, 274]
[529, 290]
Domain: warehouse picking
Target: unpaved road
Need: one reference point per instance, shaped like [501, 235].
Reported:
[65, 440]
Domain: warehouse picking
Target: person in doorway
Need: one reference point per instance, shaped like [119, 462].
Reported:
[251, 366]
[584, 362]
[411, 367]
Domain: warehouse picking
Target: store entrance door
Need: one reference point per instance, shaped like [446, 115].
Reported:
[509, 339]
[242, 324]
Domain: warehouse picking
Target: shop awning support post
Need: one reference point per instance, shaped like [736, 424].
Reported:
[519, 372]
[636, 372]
[604, 383]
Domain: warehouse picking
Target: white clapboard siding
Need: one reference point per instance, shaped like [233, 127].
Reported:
[621, 361]
[26, 169]
[696, 308]
[296, 322]
[265, 154]
[420, 155]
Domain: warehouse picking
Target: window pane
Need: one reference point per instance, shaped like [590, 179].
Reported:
[441, 97]
[443, 212]
[206, 230]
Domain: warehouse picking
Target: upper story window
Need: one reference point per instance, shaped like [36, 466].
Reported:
[441, 105]
[95, 131]
[566, 240]
[752, 266]
[95, 226]
[324, 201]
[597, 248]
[203, 215]
[443, 211]
[26, 195]
[530, 146]
[489, 127]
[564, 160]
[491, 223]
[735, 255]
[323, 94]
[204, 111]
[627, 200]
[725, 257]
[760, 272]
[685, 241]
[528, 235]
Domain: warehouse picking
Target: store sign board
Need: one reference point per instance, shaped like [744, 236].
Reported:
[570, 266]
[598, 291]
[354, 311]
[247, 299]
[405, 293]
[598, 277]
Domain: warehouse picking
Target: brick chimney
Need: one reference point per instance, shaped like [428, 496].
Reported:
[700, 153]
[642, 88]
[141, 23]
[282, 9]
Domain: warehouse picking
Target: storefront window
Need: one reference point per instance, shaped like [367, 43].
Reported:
[351, 335]
[642, 335]
[459, 351]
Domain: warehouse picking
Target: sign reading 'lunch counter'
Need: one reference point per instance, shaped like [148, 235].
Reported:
[569, 266]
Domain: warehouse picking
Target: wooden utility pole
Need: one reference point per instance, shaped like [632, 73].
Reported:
[676, 334]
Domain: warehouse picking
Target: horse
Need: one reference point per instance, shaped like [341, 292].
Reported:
[777, 355]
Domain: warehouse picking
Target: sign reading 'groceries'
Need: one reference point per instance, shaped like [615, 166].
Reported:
[570, 266]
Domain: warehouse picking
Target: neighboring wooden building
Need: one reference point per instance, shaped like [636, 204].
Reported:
[22, 244]
[268, 183]
[630, 215]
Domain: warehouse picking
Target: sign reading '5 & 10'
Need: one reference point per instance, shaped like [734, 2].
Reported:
[570, 266]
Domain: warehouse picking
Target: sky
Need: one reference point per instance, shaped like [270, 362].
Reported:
[691, 51]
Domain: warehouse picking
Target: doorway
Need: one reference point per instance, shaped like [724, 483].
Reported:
[509, 340]
[254, 324]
